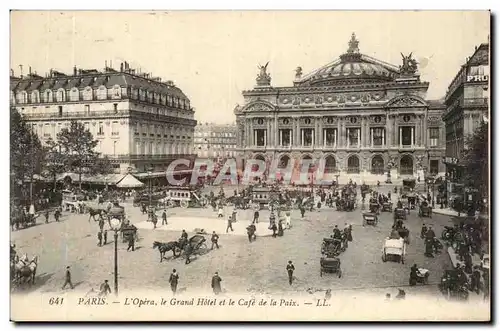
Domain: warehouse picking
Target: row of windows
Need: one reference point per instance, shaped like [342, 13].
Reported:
[159, 130]
[215, 134]
[102, 93]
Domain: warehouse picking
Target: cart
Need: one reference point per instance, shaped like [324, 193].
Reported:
[129, 231]
[370, 219]
[400, 214]
[374, 207]
[331, 265]
[425, 211]
[387, 207]
[184, 197]
[394, 249]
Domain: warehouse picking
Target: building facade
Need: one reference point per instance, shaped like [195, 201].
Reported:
[140, 122]
[467, 103]
[213, 140]
[357, 115]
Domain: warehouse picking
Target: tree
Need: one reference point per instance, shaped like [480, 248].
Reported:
[26, 152]
[476, 158]
[77, 146]
[54, 160]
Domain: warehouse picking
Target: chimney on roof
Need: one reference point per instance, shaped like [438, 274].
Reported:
[75, 71]
[121, 67]
[30, 70]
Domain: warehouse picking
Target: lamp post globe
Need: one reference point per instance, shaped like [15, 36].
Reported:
[115, 224]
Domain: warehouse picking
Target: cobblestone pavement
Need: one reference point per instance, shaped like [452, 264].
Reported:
[243, 266]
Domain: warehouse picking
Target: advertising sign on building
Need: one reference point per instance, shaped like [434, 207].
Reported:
[477, 78]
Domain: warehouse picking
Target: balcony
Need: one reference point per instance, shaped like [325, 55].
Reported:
[78, 114]
[474, 102]
[163, 157]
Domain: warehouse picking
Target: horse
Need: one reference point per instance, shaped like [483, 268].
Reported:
[165, 247]
[26, 270]
[95, 212]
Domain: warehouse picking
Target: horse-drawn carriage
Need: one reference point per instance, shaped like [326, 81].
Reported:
[400, 214]
[394, 249]
[329, 261]
[71, 201]
[387, 207]
[129, 231]
[425, 210]
[370, 219]
[408, 187]
[262, 196]
[184, 197]
[374, 207]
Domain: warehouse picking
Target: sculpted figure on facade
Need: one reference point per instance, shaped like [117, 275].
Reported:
[298, 73]
[263, 78]
[409, 66]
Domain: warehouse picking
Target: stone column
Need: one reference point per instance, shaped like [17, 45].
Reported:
[425, 133]
[301, 137]
[339, 131]
[276, 130]
[280, 142]
[400, 137]
[412, 136]
[252, 134]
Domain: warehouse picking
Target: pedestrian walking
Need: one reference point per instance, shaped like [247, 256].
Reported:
[229, 224]
[164, 218]
[67, 280]
[302, 211]
[290, 268]
[46, 217]
[105, 237]
[216, 280]
[220, 213]
[99, 238]
[173, 280]
[256, 217]
[104, 289]
[131, 243]
[215, 240]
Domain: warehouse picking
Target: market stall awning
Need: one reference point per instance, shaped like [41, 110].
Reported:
[111, 179]
[129, 181]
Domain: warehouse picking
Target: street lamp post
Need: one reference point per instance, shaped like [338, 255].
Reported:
[115, 224]
[150, 192]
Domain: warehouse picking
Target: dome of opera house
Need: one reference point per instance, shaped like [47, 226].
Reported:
[351, 68]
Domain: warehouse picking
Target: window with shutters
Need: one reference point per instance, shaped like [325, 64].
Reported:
[114, 128]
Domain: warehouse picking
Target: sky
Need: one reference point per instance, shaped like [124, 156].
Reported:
[214, 56]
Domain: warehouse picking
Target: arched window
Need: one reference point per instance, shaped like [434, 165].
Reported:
[117, 92]
[35, 96]
[353, 165]
[61, 95]
[48, 96]
[406, 165]
[22, 97]
[284, 161]
[377, 165]
[87, 93]
[330, 164]
[102, 93]
[74, 94]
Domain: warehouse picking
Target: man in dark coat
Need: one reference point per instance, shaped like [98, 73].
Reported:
[99, 238]
[67, 280]
[413, 275]
[475, 280]
[216, 283]
[256, 216]
[290, 268]
[164, 218]
[423, 231]
[173, 280]
[229, 224]
[429, 242]
[215, 240]
[104, 289]
[105, 237]
[131, 243]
